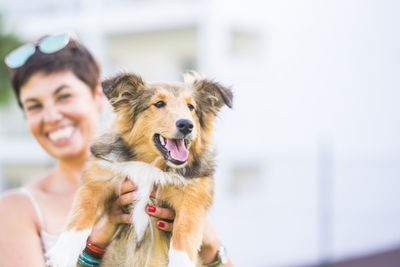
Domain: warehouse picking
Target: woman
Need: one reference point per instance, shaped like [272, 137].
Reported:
[56, 82]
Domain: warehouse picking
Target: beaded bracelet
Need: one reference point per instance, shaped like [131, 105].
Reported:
[91, 256]
[87, 262]
[95, 248]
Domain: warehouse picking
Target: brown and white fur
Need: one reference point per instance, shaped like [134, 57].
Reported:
[161, 137]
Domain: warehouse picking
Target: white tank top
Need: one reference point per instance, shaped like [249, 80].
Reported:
[48, 240]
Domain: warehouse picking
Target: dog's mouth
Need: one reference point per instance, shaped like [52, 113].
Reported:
[174, 150]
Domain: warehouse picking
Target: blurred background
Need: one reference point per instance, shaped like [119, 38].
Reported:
[309, 157]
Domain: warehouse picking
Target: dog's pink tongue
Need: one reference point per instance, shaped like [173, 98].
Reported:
[177, 149]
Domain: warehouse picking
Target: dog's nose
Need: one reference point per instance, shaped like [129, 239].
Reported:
[184, 126]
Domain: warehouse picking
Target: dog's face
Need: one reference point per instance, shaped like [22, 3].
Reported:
[168, 125]
[168, 121]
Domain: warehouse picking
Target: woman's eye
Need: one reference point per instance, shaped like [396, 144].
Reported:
[33, 107]
[160, 104]
[64, 96]
[190, 106]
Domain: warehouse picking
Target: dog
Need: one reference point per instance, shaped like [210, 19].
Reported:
[161, 137]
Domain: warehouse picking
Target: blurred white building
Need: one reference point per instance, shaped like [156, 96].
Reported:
[309, 158]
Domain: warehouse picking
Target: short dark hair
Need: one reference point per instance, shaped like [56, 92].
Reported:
[74, 57]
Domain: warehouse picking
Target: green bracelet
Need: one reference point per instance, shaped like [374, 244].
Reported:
[222, 258]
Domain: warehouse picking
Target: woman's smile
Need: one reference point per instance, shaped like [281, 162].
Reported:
[62, 135]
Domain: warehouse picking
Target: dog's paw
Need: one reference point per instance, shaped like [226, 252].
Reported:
[179, 259]
[66, 251]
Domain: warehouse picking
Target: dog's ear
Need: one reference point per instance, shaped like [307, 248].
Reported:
[121, 85]
[212, 93]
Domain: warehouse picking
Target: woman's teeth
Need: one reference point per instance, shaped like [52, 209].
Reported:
[62, 133]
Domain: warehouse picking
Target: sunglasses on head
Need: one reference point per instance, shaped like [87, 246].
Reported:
[47, 45]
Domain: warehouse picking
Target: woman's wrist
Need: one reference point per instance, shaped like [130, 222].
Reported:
[103, 232]
[209, 252]
[98, 240]
[91, 256]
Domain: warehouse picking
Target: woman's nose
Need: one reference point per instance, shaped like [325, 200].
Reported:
[51, 114]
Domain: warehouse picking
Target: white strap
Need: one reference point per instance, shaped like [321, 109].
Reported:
[35, 205]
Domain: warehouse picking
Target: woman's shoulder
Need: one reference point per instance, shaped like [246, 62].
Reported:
[19, 200]
[14, 200]
[16, 208]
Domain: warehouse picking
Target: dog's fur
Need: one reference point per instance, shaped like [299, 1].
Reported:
[131, 148]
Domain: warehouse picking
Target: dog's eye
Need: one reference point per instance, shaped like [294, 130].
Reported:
[160, 104]
[190, 106]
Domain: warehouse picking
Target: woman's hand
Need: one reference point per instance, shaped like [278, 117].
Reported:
[166, 216]
[104, 230]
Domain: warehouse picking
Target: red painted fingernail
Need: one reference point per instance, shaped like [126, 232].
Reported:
[151, 209]
[161, 224]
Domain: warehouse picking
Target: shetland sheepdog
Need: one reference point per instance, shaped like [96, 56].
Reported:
[161, 138]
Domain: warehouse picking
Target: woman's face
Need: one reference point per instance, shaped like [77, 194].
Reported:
[62, 113]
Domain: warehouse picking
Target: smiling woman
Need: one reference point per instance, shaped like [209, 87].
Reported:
[62, 112]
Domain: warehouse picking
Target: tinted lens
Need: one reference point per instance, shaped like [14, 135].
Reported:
[54, 43]
[18, 57]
